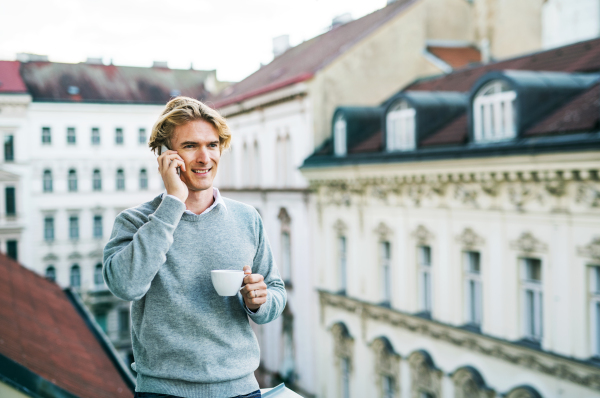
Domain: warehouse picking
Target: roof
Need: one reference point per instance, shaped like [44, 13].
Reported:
[10, 79]
[301, 62]
[44, 338]
[53, 81]
[456, 57]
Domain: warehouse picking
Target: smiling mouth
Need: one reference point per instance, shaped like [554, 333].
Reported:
[201, 171]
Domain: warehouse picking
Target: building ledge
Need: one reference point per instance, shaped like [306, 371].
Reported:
[582, 372]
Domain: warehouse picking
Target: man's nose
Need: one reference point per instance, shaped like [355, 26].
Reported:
[202, 156]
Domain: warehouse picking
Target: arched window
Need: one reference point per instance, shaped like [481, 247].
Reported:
[143, 179]
[98, 279]
[72, 180]
[286, 245]
[51, 273]
[339, 136]
[120, 180]
[97, 180]
[47, 180]
[494, 112]
[256, 170]
[400, 127]
[75, 277]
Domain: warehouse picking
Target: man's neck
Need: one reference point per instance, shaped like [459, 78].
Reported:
[198, 201]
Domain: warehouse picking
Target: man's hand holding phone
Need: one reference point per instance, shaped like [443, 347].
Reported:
[168, 163]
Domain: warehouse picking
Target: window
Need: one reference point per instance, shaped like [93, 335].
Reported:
[123, 323]
[494, 112]
[11, 249]
[51, 273]
[345, 377]
[10, 201]
[531, 283]
[119, 136]
[101, 320]
[98, 278]
[72, 178]
[286, 256]
[47, 181]
[424, 261]
[142, 136]
[97, 226]
[73, 227]
[384, 261]
[400, 127]
[9, 150]
[388, 386]
[71, 136]
[95, 136]
[595, 309]
[472, 287]
[46, 135]
[96, 180]
[143, 179]
[339, 136]
[256, 169]
[120, 180]
[49, 229]
[75, 277]
[342, 258]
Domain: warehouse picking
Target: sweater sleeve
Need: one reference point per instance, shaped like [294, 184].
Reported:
[134, 253]
[264, 264]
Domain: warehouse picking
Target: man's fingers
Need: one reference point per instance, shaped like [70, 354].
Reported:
[255, 286]
[254, 278]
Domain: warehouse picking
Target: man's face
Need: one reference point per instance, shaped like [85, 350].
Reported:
[197, 143]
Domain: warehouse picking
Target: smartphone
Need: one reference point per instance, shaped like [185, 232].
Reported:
[164, 149]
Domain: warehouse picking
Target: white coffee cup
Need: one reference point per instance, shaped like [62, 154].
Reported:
[227, 282]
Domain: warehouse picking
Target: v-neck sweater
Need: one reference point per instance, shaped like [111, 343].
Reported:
[187, 340]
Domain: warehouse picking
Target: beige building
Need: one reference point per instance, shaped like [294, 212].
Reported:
[456, 232]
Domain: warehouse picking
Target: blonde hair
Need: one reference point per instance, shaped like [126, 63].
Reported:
[182, 110]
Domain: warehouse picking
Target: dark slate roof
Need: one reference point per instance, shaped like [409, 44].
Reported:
[46, 343]
[50, 82]
[10, 79]
[558, 108]
[301, 62]
[361, 122]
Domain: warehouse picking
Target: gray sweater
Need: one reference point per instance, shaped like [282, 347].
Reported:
[187, 340]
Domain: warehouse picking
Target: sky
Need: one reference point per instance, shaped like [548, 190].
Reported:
[232, 36]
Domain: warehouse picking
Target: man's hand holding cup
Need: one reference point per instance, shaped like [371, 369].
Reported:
[254, 289]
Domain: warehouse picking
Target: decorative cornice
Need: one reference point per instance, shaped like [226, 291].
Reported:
[383, 231]
[469, 239]
[340, 227]
[547, 363]
[422, 235]
[591, 250]
[527, 243]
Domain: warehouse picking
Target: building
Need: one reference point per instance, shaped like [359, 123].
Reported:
[457, 234]
[50, 345]
[79, 156]
[282, 112]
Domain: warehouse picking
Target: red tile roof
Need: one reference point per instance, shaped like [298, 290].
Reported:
[10, 79]
[42, 330]
[456, 57]
[582, 113]
[50, 81]
[579, 57]
[300, 63]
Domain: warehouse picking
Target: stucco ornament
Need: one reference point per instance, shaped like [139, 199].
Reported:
[588, 194]
[383, 231]
[424, 376]
[387, 362]
[468, 383]
[591, 250]
[466, 195]
[340, 227]
[343, 343]
[422, 235]
[527, 243]
[469, 239]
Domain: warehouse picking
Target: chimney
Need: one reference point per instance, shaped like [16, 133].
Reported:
[28, 57]
[280, 45]
[160, 64]
[94, 61]
[341, 20]
[486, 55]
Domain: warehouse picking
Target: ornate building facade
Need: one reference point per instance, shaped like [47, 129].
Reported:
[457, 235]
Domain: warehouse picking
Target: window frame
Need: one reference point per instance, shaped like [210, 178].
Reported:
[72, 185]
[142, 137]
[340, 136]
[494, 114]
[50, 269]
[594, 308]
[95, 138]
[472, 289]
[97, 180]
[401, 127]
[9, 147]
[385, 267]
[120, 180]
[342, 244]
[49, 229]
[47, 183]
[533, 321]
[10, 201]
[74, 227]
[119, 136]
[75, 276]
[97, 228]
[425, 279]
[46, 135]
[71, 136]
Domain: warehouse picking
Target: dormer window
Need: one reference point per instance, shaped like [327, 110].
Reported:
[339, 136]
[400, 127]
[494, 112]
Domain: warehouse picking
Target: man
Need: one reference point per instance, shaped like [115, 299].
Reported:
[187, 340]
